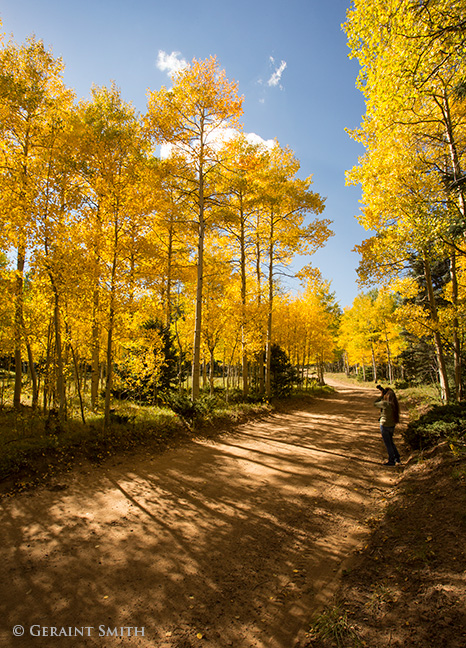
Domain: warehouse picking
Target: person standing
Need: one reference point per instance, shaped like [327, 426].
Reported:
[389, 417]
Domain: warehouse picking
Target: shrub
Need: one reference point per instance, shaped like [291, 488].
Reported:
[190, 411]
[442, 422]
[283, 373]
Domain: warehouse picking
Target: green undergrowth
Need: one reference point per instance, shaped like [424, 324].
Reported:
[439, 423]
[34, 447]
[31, 447]
[418, 400]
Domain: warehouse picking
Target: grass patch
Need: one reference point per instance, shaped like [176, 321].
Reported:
[31, 447]
[332, 628]
[418, 400]
[34, 447]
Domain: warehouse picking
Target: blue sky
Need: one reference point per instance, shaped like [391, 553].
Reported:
[307, 104]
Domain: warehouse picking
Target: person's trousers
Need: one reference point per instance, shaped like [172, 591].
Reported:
[387, 436]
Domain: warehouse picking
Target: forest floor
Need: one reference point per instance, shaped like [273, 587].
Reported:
[242, 539]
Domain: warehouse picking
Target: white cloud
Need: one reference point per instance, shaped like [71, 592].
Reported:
[277, 74]
[257, 139]
[170, 63]
[216, 138]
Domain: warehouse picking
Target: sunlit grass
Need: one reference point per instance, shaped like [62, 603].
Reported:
[332, 625]
[419, 399]
[34, 445]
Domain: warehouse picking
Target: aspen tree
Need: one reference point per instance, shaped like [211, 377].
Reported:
[115, 151]
[285, 202]
[168, 247]
[55, 242]
[412, 64]
[30, 87]
[239, 207]
[306, 327]
[191, 117]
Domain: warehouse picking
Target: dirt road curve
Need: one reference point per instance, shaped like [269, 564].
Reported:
[228, 543]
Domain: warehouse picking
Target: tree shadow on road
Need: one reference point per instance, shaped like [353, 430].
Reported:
[233, 539]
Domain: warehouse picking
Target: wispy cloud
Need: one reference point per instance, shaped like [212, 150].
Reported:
[170, 63]
[277, 73]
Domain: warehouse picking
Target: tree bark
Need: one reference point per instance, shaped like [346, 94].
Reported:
[95, 344]
[60, 378]
[111, 325]
[374, 364]
[389, 355]
[243, 304]
[211, 371]
[195, 388]
[18, 331]
[442, 370]
[456, 338]
[78, 384]
[457, 174]
[168, 296]
[268, 348]
[32, 369]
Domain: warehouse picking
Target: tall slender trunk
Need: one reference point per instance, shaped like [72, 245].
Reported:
[18, 330]
[389, 355]
[456, 337]
[268, 348]
[204, 373]
[442, 370]
[59, 374]
[168, 295]
[109, 363]
[374, 364]
[195, 388]
[243, 303]
[457, 174]
[95, 324]
[111, 326]
[347, 367]
[321, 370]
[32, 369]
[298, 369]
[95, 350]
[211, 371]
[46, 388]
[78, 384]
[261, 354]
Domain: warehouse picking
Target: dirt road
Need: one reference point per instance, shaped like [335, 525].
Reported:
[234, 542]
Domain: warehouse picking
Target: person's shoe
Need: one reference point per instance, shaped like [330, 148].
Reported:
[389, 463]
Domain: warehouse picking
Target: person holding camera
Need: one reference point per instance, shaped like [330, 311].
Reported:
[389, 417]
